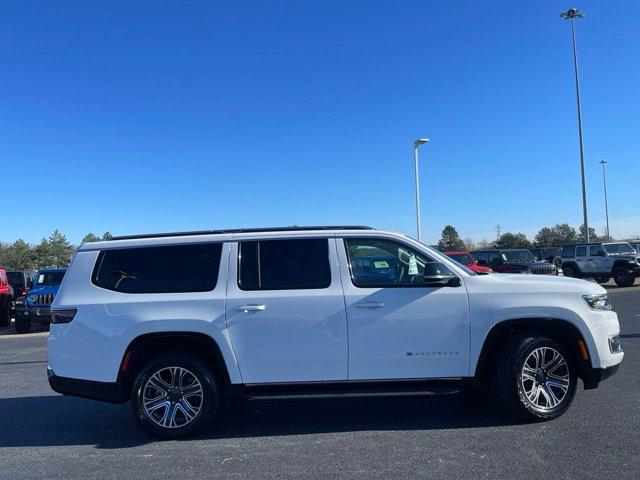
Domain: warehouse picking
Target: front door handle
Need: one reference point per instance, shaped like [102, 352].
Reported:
[251, 308]
[369, 305]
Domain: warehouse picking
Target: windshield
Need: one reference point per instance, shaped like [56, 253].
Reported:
[517, 256]
[49, 278]
[618, 248]
[15, 278]
[463, 258]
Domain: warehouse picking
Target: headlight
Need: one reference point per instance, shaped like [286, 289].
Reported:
[32, 298]
[598, 302]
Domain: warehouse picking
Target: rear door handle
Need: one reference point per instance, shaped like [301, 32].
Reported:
[251, 308]
[369, 305]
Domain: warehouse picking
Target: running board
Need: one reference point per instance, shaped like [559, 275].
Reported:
[347, 390]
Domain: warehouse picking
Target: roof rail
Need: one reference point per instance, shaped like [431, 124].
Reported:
[294, 228]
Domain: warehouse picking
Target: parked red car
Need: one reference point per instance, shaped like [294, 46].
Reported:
[5, 299]
[467, 260]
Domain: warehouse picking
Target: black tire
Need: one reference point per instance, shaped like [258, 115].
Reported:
[602, 279]
[555, 260]
[511, 387]
[209, 399]
[22, 324]
[570, 271]
[624, 277]
[5, 314]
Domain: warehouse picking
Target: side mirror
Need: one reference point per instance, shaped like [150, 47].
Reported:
[442, 280]
[601, 254]
[437, 274]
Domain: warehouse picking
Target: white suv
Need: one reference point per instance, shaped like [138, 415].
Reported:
[178, 323]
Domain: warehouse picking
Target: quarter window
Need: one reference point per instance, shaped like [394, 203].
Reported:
[169, 269]
[385, 263]
[284, 264]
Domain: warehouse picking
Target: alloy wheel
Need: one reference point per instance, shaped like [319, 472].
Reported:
[172, 397]
[545, 378]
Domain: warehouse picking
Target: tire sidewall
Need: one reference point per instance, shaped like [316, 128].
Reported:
[22, 325]
[570, 271]
[5, 313]
[210, 397]
[624, 278]
[528, 409]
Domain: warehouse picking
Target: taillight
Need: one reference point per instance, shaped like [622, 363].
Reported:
[63, 316]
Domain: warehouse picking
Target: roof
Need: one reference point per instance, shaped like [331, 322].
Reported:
[294, 228]
[591, 243]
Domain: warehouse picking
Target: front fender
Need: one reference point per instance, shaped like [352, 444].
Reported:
[483, 323]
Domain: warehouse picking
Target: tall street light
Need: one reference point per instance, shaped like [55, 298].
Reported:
[571, 15]
[606, 204]
[416, 144]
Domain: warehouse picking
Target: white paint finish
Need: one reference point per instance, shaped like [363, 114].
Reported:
[499, 297]
[387, 324]
[300, 335]
[93, 344]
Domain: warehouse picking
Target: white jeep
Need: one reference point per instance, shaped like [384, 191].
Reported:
[179, 323]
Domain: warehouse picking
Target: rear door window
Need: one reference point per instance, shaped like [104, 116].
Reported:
[596, 250]
[168, 269]
[581, 251]
[284, 264]
[494, 256]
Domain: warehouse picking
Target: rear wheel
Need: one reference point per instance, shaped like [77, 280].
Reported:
[22, 324]
[570, 271]
[535, 378]
[623, 277]
[602, 279]
[174, 396]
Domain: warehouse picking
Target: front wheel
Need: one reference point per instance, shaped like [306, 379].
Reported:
[624, 278]
[174, 396]
[535, 378]
[22, 324]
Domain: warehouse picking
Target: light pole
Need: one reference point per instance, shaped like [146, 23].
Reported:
[606, 203]
[416, 144]
[571, 15]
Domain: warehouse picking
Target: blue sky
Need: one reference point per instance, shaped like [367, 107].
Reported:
[169, 116]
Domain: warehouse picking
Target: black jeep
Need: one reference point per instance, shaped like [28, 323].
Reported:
[513, 260]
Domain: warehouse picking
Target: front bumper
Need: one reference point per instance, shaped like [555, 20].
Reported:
[592, 377]
[40, 314]
[111, 392]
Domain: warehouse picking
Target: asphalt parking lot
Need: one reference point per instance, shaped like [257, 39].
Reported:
[45, 435]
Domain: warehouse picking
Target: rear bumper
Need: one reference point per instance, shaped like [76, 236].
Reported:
[102, 391]
[593, 376]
